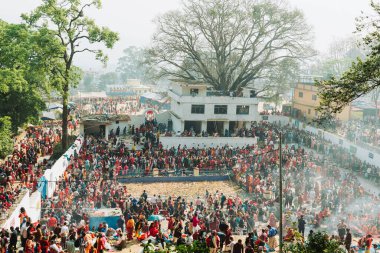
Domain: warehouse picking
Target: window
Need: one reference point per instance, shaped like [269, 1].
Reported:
[242, 110]
[314, 97]
[198, 109]
[220, 109]
[308, 111]
[194, 92]
[300, 94]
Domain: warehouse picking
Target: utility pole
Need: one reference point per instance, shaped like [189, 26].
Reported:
[280, 195]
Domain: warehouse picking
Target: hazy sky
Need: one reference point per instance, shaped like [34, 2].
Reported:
[133, 19]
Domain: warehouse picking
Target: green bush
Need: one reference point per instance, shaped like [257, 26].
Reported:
[6, 142]
[318, 243]
[196, 247]
[57, 151]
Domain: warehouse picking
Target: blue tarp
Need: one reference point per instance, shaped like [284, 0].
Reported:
[108, 215]
[42, 186]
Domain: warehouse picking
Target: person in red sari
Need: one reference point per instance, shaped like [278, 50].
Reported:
[153, 230]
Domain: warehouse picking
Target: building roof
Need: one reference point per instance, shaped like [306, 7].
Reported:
[105, 118]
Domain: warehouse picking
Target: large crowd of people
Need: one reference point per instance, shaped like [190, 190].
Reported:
[321, 188]
[360, 131]
[130, 105]
[24, 165]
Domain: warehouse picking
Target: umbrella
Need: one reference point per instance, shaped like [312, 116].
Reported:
[155, 217]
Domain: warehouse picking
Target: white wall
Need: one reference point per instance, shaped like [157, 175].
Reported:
[169, 142]
[361, 153]
[121, 124]
[59, 167]
[34, 210]
[181, 105]
[177, 124]
[14, 220]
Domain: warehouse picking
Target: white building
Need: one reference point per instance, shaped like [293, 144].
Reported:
[197, 107]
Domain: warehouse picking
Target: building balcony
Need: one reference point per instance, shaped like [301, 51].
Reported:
[212, 98]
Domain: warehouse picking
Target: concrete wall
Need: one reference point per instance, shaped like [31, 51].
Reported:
[172, 179]
[59, 167]
[361, 153]
[168, 142]
[13, 220]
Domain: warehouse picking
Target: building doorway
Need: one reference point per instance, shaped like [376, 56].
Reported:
[215, 127]
[196, 126]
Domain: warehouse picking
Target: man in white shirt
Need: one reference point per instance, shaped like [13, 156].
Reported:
[232, 244]
[65, 229]
[55, 248]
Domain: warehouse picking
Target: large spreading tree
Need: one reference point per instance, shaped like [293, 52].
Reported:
[361, 78]
[77, 34]
[229, 43]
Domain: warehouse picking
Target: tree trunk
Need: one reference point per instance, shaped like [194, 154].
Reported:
[65, 115]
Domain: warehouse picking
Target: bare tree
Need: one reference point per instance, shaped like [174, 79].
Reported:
[229, 43]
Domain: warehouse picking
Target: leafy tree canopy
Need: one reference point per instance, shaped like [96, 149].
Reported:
[361, 78]
[77, 33]
[26, 62]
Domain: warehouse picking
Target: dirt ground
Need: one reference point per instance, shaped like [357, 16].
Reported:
[188, 190]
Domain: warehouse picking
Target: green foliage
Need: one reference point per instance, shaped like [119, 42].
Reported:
[6, 142]
[361, 78]
[318, 243]
[76, 33]
[26, 62]
[58, 151]
[196, 247]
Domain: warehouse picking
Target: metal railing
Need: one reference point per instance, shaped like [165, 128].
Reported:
[178, 172]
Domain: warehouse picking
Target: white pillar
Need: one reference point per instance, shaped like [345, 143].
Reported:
[107, 132]
[226, 126]
[204, 126]
[81, 129]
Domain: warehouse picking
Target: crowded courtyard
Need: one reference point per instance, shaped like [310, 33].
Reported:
[194, 126]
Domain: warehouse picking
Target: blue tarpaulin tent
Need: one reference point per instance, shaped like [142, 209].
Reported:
[108, 215]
